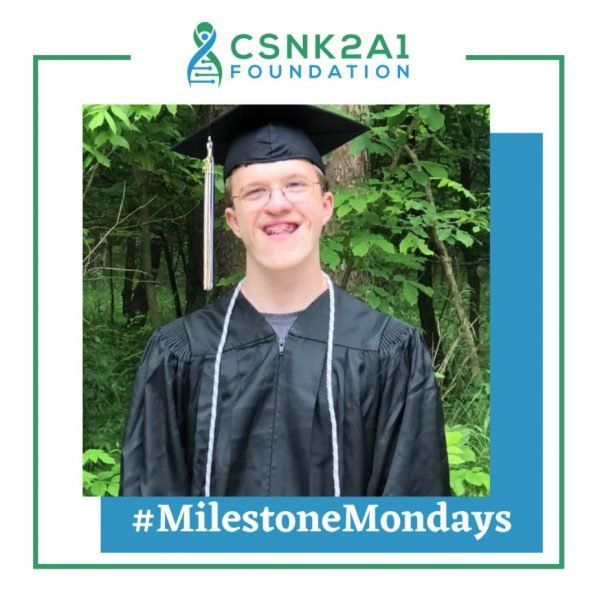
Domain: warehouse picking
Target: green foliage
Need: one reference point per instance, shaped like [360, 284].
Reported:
[467, 475]
[111, 355]
[101, 472]
[109, 127]
[383, 225]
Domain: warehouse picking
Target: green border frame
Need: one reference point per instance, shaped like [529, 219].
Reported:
[560, 58]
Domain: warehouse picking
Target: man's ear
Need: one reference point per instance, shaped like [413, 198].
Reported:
[328, 204]
[232, 221]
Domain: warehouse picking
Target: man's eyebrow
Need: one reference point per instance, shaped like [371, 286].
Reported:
[253, 181]
[262, 181]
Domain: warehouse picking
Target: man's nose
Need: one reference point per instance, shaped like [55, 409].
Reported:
[277, 201]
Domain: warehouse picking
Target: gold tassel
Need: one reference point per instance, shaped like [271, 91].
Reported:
[209, 190]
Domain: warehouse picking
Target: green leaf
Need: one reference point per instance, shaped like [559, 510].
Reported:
[172, 108]
[477, 479]
[154, 109]
[102, 159]
[358, 144]
[396, 195]
[91, 455]
[410, 293]
[98, 488]
[106, 475]
[455, 450]
[359, 204]
[104, 457]
[435, 170]
[373, 300]
[453, 437]
[464, 238]
[418, 176]
[361, 249]
[457, 187]
[121, 115]
[331, 258]
[455, 460]
[423, 247]
[117, 140]
[343, 210]
[227, 281]
[468, 454]
[485, 480]
[383, 244]
[111, 122]
[113, 489]
[431, 116]
[96, 121]
[334, 244]
[456, 482]
[423, 288]
[88, 477]
[390, 112]
[407, 243]
[443, 233]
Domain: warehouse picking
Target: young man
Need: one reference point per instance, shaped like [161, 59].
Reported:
[288, 385]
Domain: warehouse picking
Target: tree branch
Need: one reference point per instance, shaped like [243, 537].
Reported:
[465, 326]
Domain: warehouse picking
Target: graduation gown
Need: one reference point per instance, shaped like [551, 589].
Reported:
[273, 428]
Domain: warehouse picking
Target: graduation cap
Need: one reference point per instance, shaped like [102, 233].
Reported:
[249, 134]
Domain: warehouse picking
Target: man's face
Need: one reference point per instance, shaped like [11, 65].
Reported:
[279, 234]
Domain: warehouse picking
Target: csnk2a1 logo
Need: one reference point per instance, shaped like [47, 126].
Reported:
[204, 67]
[300, 56]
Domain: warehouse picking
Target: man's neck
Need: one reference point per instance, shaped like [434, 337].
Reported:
[278, 292]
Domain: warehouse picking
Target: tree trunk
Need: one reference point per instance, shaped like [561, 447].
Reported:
[180, 244]
[194, 292]
[171, 271]
[128, 277]
[428, 319]
[345, 169]
[465, 326]
[111, 283]
[150, 261]
[472, 255]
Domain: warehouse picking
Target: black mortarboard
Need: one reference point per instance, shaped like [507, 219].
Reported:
[249, 134]
[261, 133]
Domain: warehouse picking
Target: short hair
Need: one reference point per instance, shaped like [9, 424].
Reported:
[321, 177]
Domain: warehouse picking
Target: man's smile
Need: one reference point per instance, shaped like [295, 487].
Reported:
[280, 229]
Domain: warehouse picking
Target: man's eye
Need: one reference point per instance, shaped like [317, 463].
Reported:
[254, 192]
[296, 185]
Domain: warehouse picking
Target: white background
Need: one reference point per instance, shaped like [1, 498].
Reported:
[442, 33]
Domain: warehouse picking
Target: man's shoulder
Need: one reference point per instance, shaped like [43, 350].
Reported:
[195, 333]
[357, 325]
[360, 325]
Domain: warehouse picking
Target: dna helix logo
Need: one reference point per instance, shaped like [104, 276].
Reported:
[204, 66]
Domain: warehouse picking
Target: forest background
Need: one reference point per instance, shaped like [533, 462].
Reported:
[410, 237]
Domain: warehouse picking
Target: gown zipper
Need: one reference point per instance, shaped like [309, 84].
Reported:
[281, 343]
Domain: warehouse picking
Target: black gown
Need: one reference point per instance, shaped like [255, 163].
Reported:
[273, 428]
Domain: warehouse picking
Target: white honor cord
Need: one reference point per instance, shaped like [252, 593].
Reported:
[213, 408]
[332, 417]
[329, 366]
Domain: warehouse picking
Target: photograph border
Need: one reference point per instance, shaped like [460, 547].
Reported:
[560, 59]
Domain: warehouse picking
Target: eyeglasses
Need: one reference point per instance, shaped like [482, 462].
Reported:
[295, 190]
